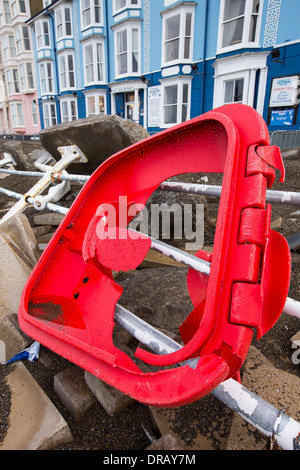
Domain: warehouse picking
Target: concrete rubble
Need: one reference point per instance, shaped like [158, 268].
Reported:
[34, 422]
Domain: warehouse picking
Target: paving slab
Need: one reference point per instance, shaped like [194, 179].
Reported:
[14, 273]
[34, 422]
[73, 392]
[21, 238]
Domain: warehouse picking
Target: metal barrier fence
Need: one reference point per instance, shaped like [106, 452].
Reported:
[285, 139]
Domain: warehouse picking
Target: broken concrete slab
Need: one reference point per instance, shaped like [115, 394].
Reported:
[73, 392]
[12, 336]
[98, 137]
[19, 235]
[14, 272]
[34, 423]
[275, 386]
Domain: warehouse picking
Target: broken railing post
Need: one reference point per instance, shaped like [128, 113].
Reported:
[30, 200]
[69, 154]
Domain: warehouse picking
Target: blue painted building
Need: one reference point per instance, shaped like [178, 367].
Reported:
[161, 62]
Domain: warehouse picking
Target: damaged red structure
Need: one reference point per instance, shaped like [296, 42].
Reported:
[69, 300]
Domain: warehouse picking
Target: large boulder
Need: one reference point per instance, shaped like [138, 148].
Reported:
[98, 137]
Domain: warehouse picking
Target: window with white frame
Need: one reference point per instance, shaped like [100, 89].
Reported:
[239, 24]
[91, 13]
[66, 70]
[63, 21]
[22, 39]
[17, 7]
[26, 76]
[178, 33]
[49, 112]
[46, 77]
[234, 91]
[7, 11]
[6, 54]
[240, 78]
[9, 82]
[29, 74]
[16, 80]
[93, 54]
[17, 114]
[95, 103]
[176, 101]
[119, 5]
[23, 80]
[12, 46]
[68, 109]
[42, 34]
[127, 49]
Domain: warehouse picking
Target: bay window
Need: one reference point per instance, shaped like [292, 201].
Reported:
[119, 5]
[91, 13]
[22, 39]
[17, 114]
[93, 53]
[46, 77]
[49, 111]
[68, 109]
[42, 34]
[241, 79]
[66, 70]
[176, 101]
[63, 21]
[95, 103]
[26, 76]
[178, 32]
[127, 49]
[239, 24]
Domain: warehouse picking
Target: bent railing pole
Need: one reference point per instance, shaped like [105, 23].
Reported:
[275, 197]
[266, 418]
[30, 200]
[39, 174]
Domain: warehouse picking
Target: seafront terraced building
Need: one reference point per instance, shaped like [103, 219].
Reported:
[19, 113]
[161, 62]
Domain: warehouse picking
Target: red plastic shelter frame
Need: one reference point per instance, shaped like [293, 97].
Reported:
[69, 301]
